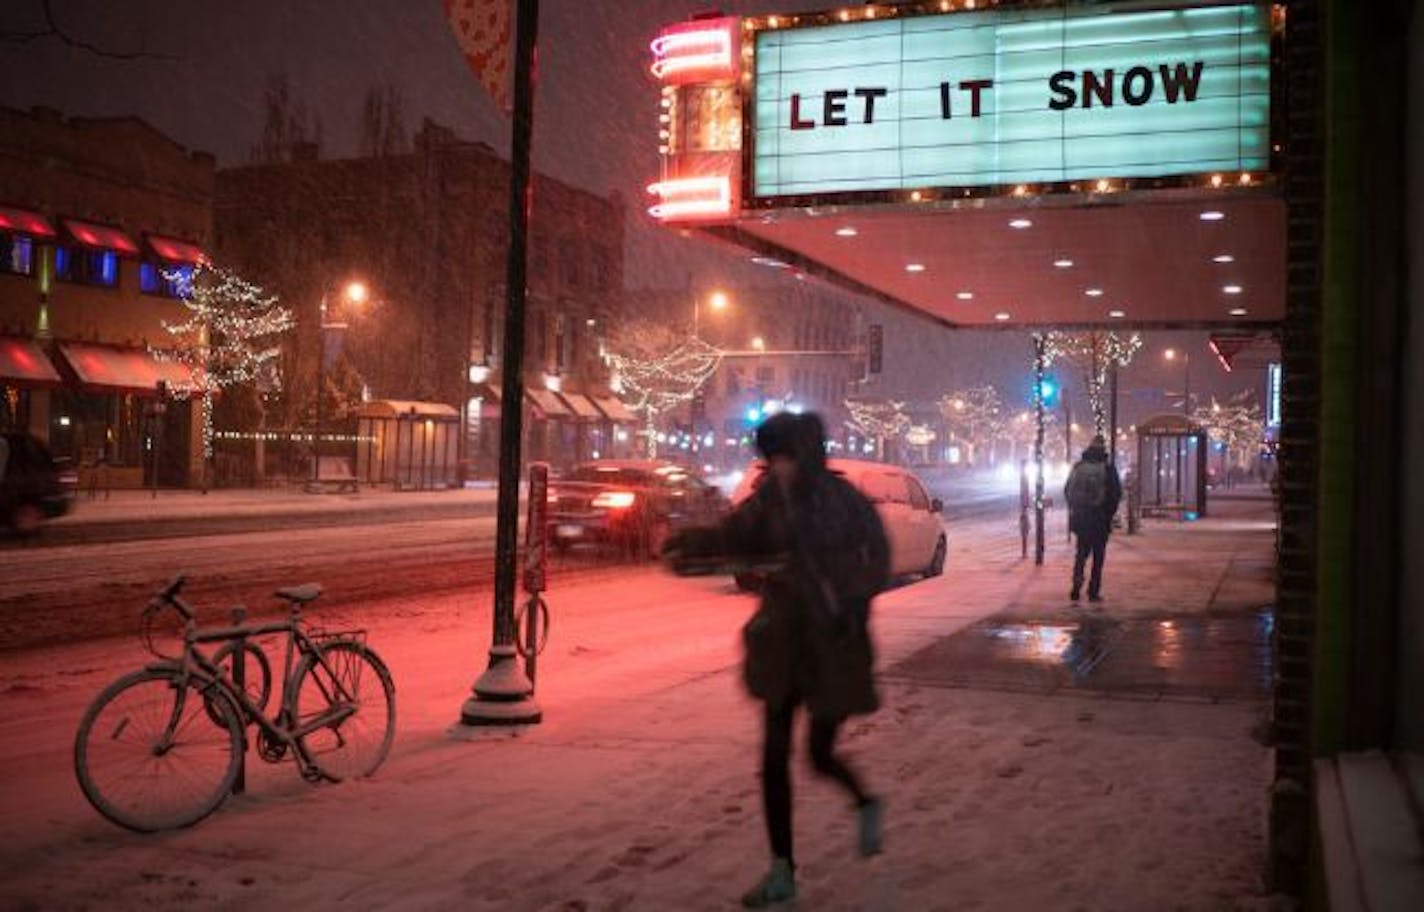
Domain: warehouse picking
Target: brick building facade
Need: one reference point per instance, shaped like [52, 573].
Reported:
[95, 215]
[427, 232]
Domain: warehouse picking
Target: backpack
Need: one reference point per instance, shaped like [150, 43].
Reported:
[1087, 486]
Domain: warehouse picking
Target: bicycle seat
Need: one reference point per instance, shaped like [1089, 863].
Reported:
[300, 595]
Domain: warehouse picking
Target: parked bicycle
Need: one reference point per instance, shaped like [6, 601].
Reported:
[162, 747]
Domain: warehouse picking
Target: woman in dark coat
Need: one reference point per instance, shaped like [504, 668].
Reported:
[808, 642]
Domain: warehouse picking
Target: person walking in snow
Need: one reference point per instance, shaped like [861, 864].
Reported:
[1093, 492]
[808, 642]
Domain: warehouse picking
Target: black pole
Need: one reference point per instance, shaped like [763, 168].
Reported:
[502, 693]
[1112, 412]
[1040, 367]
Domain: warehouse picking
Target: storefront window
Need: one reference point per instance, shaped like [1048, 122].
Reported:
[17, 254]
[86, 267]
[164, 279]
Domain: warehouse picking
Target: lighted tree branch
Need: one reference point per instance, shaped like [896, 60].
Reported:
[227, 338]
[656, 370]
[1236, 424]
[973, 417]
[54, 30]
[1095, 354]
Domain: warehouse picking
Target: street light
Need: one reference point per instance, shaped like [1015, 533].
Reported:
[717, 300]
[758, 343]
[1171, 355]
[355, 293]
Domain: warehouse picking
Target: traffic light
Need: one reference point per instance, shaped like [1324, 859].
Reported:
[1048, 389]
[875, 347]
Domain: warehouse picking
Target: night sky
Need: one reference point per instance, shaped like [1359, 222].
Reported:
[595, 125]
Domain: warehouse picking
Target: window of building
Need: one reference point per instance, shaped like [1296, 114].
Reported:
[167, 280]
[570, 269]
[17, 254]
[734, 383]
[766, 374]
[84, 266]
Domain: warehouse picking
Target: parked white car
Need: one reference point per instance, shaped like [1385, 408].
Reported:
[913, 520]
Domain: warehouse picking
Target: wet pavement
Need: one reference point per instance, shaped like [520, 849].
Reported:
[1189, 657]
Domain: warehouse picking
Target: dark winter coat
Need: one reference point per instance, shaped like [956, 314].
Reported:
[809, 639]
[1093, 523]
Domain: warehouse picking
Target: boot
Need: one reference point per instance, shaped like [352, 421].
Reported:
[872, 822]
[778, 886]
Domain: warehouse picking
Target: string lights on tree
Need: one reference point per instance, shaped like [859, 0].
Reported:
[1236, 424]
[228, 337]
[878, 419]
[655, 370]
[1096, 354]
[974, 418]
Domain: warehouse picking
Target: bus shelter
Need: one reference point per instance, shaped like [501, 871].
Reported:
[411, 446]
[1170, 470]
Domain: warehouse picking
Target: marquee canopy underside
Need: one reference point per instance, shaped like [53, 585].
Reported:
[1156, 261]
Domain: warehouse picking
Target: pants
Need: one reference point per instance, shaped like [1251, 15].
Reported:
[1097, 546]
[776, 771]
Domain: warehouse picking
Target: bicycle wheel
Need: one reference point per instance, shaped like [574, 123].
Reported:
[341, 675]
[148, 755]
[257, 675]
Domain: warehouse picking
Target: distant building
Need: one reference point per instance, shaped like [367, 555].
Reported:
[792, 346]
[427, 232]
[95, 216]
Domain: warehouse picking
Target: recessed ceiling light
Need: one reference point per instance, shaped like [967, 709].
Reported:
[914, 267]
[964, 295]
[1213, 215]
[1001, 316]
[1117, 314]
[1094, 292]
[1223, 258]
[1021, 223]
[1063, 263]
[1237, 311]
[847, 231]
[1231, 289]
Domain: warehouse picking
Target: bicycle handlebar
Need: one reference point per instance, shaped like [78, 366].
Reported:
[169, 595]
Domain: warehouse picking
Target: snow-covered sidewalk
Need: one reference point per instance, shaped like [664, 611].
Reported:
[639, 789]
[180, 504]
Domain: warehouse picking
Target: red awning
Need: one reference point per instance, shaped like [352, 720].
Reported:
[129, 370]
[174, 250]
[25, 222]
[616, 411]
[102, 237]
[580, 405]
[22, 361]
[547, 404]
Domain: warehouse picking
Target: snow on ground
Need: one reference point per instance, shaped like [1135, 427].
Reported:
[639, 789]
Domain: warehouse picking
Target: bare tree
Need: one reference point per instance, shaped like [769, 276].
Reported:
[383, 125]
[286, 124]
[53, 30]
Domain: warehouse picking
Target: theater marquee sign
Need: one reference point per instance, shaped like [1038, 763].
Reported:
[1008, 96]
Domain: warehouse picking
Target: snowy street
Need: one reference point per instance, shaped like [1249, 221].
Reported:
[639, 789]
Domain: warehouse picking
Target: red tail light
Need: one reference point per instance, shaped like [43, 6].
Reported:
[614, 500]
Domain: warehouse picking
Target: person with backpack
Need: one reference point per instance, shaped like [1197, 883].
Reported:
[808, 642]
[1093, 492]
